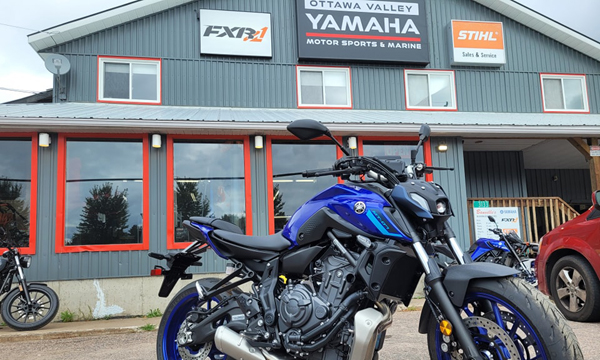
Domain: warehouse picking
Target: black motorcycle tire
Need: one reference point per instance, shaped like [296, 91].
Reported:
[188, 290]
[545, 321]
[12, 300]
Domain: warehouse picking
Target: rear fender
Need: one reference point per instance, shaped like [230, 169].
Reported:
[457, 279]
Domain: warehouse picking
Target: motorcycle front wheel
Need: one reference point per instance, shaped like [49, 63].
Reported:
[176, 313]
[22, 316]
[508, 319]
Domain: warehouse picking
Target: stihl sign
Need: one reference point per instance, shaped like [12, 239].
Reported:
[477, 43]
[235, 33]
[366, 30]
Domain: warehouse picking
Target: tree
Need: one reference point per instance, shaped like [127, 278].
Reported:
[190, 202]
[14, 215]
[104, 217]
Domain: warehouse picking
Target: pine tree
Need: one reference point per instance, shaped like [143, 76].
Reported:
[104, 217]
[14, 216]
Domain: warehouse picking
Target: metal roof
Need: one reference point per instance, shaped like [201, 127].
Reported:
[140, 8]
[188, 119]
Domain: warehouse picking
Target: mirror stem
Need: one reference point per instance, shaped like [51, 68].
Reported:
[344, 150]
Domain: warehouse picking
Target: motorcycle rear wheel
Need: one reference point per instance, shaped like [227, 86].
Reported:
[509, 317]
[174, 315]
[21, 316]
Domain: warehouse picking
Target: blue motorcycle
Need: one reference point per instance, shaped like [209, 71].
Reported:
[326, 286]
[508, 250]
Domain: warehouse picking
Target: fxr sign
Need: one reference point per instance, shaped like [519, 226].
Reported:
[235, 33]
[477, 43]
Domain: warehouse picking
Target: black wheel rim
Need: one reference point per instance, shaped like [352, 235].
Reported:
[30, 313]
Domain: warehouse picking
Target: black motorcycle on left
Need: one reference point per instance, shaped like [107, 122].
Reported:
[29, 306]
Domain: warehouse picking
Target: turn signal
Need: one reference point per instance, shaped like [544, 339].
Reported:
[446, 327]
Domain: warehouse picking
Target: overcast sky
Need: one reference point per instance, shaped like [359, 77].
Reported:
[22, 69]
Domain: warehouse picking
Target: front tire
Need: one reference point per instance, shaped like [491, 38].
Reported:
[176, 312]
[509, 319]
[575, 289]
[21, 316]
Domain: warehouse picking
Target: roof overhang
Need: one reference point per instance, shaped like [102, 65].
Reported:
[96, 117]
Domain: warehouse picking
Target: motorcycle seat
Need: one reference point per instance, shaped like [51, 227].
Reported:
[275, 242]
[217, 224]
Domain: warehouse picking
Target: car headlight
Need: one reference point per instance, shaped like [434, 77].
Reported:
[25, 261]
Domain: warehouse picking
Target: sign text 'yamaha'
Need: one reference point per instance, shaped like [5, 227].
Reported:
[368, 30]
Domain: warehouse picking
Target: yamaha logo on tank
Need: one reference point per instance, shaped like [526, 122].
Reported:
[360, 207]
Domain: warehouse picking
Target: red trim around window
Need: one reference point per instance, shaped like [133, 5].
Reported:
[171, 244]
[563, 76]
[159, 60]
[269, 155]
[324, 106]
[426, 147]
[60, 195]
[30, 250]
[428, 108]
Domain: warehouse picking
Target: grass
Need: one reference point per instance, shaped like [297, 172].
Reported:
[148, 327]
[67, 316]
[154, 313]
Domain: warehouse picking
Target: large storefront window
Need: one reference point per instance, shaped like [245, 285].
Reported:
[209, 179]
[391, 148]
[17, 190]
[290, 192]
[104, 194]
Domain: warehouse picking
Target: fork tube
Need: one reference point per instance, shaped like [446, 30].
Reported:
[456, 250]
[22, 280]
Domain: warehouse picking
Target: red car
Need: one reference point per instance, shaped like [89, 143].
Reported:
[568, 265]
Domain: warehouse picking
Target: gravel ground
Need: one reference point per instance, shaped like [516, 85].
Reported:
[403, 342]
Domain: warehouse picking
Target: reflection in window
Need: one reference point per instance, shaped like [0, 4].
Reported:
[430, 90]
[564, 93]
[290, 192]
[15, 189]
[129, 80]
[208, 181]
[104, 192]
[391, 148]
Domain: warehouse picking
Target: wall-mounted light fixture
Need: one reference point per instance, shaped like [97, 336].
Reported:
[156, 141]
[442, 147]
[352, 143]
[44, 140]
[258, 142]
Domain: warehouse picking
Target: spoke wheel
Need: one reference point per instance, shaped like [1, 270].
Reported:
[21, 315]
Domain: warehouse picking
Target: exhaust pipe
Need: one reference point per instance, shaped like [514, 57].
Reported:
[233, 344]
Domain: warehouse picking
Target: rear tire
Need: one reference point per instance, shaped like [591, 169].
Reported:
[575, 289]
[20, 316]
[175, 314]
[530, 326]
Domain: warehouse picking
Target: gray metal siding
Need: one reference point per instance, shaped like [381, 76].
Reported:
[454, 183]
[495, 174]
[572, 185]
[208, 80]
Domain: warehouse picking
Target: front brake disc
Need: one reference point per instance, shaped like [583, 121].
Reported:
[495, 335]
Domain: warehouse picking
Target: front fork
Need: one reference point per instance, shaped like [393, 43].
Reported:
[22, 282]
[433, 278]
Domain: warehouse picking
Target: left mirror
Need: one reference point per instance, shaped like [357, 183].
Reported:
[307, 129]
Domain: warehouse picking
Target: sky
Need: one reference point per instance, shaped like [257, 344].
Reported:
[21, 68]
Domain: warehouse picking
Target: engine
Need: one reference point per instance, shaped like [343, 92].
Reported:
[305, 309]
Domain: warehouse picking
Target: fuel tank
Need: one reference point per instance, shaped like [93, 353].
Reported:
[351, 209]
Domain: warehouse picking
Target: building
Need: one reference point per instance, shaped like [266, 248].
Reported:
[174, 108]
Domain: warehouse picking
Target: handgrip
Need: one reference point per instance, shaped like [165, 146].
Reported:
[157, 256]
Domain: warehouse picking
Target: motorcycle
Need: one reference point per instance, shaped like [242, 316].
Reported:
[327, 285]
[29, 306]
[508, 250]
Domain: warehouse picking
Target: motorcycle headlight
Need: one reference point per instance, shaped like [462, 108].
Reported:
[441, 207]
[25, 261]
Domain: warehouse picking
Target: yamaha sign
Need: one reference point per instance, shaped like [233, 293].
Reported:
[365, 30]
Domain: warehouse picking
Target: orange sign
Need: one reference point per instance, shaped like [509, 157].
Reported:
[477, 35]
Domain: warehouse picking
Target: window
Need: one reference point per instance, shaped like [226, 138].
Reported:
[430, 90]
[103, 193]
[564, 93]
[400, 147]
[210, 177]
[129, 80]
[18, 187]
[290, 192]
[324, 87]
